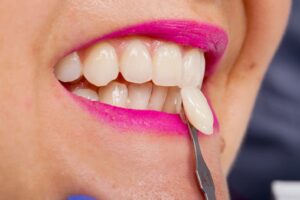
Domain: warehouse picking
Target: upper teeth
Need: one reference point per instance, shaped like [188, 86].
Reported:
[136, 63]
[193, 68]
[69, 68]
[101, 64]
[165, 64]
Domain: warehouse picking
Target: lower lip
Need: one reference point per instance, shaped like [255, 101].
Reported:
[141, 121]
[211, 39]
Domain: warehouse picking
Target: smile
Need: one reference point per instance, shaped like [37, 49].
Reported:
[140, 77]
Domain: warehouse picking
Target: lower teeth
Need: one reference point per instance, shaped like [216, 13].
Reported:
[148, 96]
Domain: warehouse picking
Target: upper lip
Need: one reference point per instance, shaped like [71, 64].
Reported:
[209, 38]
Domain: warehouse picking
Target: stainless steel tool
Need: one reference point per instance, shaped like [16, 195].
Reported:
[203, 174]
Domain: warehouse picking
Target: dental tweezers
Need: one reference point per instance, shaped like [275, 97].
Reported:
[203, 174]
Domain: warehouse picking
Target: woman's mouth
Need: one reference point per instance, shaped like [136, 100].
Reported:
[141, 77]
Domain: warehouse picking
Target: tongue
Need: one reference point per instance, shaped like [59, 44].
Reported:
[197, 109]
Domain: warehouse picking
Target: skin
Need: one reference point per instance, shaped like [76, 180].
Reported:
[51, 148]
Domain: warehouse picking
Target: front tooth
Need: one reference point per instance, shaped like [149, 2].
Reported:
[193, 68]
[101, 65]
[167, 64]
[139, 95]
[114, 93]
[69, 68]
[86, 93]
[136, 63]
[197, 109]
[157, 98]
[173, 101]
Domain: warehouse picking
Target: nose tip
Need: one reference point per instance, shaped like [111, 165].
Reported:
[80, 197]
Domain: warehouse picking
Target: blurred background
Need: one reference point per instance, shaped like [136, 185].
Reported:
[271, 149]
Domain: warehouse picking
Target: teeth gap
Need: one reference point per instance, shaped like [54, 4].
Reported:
[137, 73]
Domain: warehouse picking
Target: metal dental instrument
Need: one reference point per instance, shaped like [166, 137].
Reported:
[203, 174]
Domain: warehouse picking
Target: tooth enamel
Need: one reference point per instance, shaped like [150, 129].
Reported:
[167, 64]
[101, 65]
[114, 93]
[193, 68]
[173, 101]
[139, 95]
[157, 98]
[69, 68]
[136, 63]
[197, 109]
[86, 93]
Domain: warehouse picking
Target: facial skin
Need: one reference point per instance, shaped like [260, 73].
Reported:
[51, 148]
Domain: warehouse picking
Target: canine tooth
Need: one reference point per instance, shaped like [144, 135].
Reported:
[167, 65]
[101, 65]
[114, 93]
[197, 109]
[139, 95]
[173, 101]
[69, 68]
[136, 63]
[86, 93]
[157, 98]
[193, 68]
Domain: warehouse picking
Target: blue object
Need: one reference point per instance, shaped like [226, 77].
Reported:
[80, 197]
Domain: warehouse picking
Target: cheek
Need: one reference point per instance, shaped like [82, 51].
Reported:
[235, 15]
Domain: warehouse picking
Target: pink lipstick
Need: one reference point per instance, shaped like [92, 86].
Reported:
[210, 39]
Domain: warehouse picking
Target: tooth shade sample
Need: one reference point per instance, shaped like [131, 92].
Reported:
[101, 65]
[136, 63]
[167, 65]
[173, 101]
[157, 98]
[86, 93]
[69, 68]
[193, 68]
[139, 95]
[114, 93]
[197, 109]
